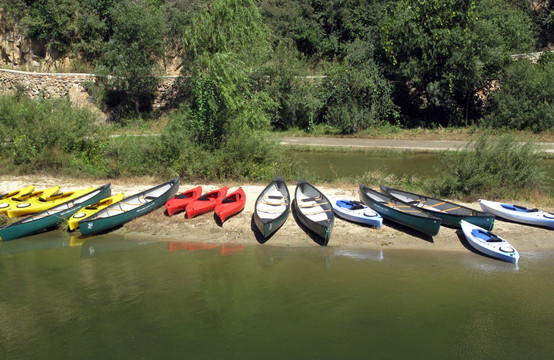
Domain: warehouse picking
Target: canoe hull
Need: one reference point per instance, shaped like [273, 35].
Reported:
[85, 212]
[415, 219]
[450, 213]
[322, 228]
[99, 222]
[52, 217]
[271, 213]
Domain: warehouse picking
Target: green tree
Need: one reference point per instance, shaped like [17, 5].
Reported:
[444, 52]
[525, 99]
[127, 69]
[225, 43]
[357, 93]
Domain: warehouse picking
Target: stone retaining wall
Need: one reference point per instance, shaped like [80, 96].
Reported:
[61, 85]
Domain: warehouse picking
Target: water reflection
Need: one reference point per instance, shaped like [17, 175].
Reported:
[33, 243]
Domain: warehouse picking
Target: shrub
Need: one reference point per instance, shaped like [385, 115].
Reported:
[490, 167]
[525, 99]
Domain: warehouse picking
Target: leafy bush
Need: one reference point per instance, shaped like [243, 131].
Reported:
[525, 99]
[490, 167]
[357, 93]
[45, 134]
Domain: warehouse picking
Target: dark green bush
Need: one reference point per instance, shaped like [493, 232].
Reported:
[525, 99]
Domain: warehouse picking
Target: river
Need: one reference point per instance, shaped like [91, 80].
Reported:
[119, 297]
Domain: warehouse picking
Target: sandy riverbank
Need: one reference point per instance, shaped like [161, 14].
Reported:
[239, 229]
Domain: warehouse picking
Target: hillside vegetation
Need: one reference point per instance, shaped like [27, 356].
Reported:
[250, 67]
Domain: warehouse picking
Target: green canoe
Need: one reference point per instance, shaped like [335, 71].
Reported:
[314, 210]
[400, 212]
[450, 213]
[129, 208]
[272, 207]
[52, 217]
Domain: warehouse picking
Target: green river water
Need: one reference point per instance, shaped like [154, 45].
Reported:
[123, 298]
[334, 165]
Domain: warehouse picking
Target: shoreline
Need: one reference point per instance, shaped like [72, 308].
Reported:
[239, 229]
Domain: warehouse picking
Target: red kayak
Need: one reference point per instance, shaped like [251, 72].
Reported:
[231, 205]
[205, 203]
[180, 201]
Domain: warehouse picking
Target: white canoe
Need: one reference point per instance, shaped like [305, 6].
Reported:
[356, 211]
[518, 213]
[488, 243]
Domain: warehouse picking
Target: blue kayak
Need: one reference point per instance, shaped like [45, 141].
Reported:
[356, 211]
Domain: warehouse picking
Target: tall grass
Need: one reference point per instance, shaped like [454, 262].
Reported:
[495, 168]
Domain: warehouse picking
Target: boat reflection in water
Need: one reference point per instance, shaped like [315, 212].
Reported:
[224, 249]
[33, 243]
[99, 245]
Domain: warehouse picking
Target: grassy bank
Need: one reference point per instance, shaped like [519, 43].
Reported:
[52, 137]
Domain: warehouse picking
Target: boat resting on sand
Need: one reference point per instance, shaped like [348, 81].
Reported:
[356, 211]
[520, 214]
[489, 243]
[180, 201]
[129, 208]
[400, 212]
[12, 202]
[38, 204]
[73, 222]
[314, 210]
[52, 217]
[231, 205]
[206, 202]
[450, 213]
[272, 207]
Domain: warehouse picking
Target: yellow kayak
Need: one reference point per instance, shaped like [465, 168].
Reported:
[85, 212]
[17, 192]
[39, 204]
[11, 202]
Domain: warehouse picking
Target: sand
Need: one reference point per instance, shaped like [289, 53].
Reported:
[239, 229]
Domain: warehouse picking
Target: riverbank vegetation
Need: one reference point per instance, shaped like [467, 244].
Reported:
[252, 68]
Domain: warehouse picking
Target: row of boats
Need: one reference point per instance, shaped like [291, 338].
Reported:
[95, 210]
[422, 213]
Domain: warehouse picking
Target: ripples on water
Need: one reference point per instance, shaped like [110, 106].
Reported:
[125, 298]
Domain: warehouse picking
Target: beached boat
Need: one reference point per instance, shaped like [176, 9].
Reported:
[450, 213]
[129, 208]
[356, 211]
[11, 202]
[400, 212]
[37, 204]
[314, 210]
[231, 205]
[206, 202]
[489, 243]
[272, 207]
[520, 214]
[52, 217]
[180, 201]
[73, 222]
[18, 192]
